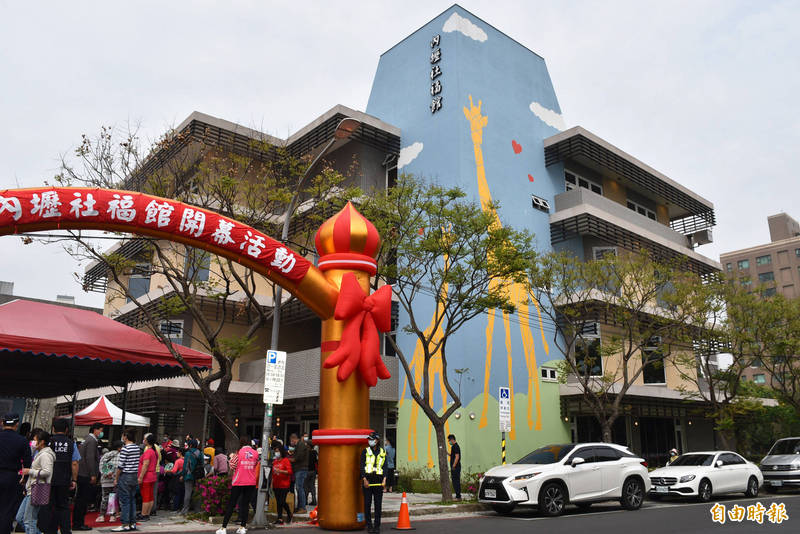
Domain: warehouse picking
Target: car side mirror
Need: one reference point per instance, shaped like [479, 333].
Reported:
[720, 463]
[577, 461]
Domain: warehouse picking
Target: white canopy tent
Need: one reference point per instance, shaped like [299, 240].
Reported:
[105, 412]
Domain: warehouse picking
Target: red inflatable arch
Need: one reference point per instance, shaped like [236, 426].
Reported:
[75, 208]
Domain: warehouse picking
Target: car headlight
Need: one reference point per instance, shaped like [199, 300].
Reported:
[687, 478]
[525, 477]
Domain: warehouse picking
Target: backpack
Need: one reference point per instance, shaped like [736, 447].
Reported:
[198, 470]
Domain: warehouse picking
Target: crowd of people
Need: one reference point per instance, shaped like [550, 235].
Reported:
[127, 481]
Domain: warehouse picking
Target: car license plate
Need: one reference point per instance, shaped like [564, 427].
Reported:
[490, 493]
[776, 482]
[662, 489]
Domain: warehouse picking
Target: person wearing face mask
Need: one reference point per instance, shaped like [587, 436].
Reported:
[281, 480]
[88, 476]
[373, 479]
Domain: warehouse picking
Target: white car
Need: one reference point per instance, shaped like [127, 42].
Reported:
[552, 476]
[704, 474]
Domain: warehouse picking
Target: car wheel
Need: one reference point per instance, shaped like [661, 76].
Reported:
[503, 509]
[752, 487]
[632, 494]
[584, 506]
[704, 491]
[552, 499]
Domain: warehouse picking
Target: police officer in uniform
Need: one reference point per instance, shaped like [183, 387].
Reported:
[373, 479]
[15, 453]
[65, 473]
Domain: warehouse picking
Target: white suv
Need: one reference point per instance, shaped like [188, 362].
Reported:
[578, 473]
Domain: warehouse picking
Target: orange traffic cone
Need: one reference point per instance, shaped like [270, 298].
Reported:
[313, 516]
[403, 520]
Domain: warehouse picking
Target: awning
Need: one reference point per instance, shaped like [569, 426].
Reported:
[48, 350]
[105, 412]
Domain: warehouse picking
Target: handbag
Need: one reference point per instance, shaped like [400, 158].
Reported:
[112, 507]
[40, 494]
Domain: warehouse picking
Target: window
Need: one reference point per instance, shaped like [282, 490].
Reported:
[549, 375]
[388, 348]
[606, 454]
[729, 267]
[198, 265]
[587, 453]
[601, 252]
[641, 210]
[766, 277]
[770, 292]
[572, 180]
[756, 363]
[764, 260]
[172, 329]
[744, 264]
[653, 372]
[759, 379]
[588, 358]
[729, 459]
[540, 204]
[745, 281]
[797, 252]
[139, 281]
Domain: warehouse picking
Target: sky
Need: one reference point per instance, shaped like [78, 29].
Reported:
[703, 91]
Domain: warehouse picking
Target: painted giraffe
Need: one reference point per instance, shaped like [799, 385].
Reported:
[518, 294]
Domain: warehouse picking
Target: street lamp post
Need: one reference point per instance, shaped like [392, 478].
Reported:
[344, 130]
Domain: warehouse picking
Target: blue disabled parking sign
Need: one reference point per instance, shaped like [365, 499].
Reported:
[504, 405]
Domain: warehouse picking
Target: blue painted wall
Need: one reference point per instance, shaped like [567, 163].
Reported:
[508, 80]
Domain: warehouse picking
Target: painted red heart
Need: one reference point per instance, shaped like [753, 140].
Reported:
[516, 146]
[530, 178]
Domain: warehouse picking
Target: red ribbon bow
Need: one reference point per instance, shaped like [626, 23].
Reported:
[364, 316]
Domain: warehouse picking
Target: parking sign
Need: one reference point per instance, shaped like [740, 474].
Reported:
[274, 374]
[504, 401]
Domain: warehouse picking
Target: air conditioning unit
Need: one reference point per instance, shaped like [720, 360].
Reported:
[703, 237]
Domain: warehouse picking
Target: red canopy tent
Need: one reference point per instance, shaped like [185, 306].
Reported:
[48, 350]
[105, 412]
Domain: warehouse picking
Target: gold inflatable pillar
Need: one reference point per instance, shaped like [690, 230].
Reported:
[347, 245]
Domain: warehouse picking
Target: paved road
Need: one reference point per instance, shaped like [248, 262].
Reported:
[666, 517]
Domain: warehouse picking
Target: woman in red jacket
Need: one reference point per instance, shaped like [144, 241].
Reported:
[281, 480]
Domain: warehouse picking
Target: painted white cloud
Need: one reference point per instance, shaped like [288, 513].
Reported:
[409, 154]
[548, 116]
[457, 23]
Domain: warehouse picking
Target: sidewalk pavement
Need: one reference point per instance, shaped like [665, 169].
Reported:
[420, 505]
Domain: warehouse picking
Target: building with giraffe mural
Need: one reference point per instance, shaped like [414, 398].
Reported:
[461, 103]
[478, 110]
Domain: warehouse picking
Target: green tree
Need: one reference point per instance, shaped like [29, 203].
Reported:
[714, 324]
[779, 346]
[252, 184]
[442, 249]
[637, 300]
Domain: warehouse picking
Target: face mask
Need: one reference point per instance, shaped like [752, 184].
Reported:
[372, 442]
[291, 449]
[276, 455]
[100, 436]
[305, 438]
